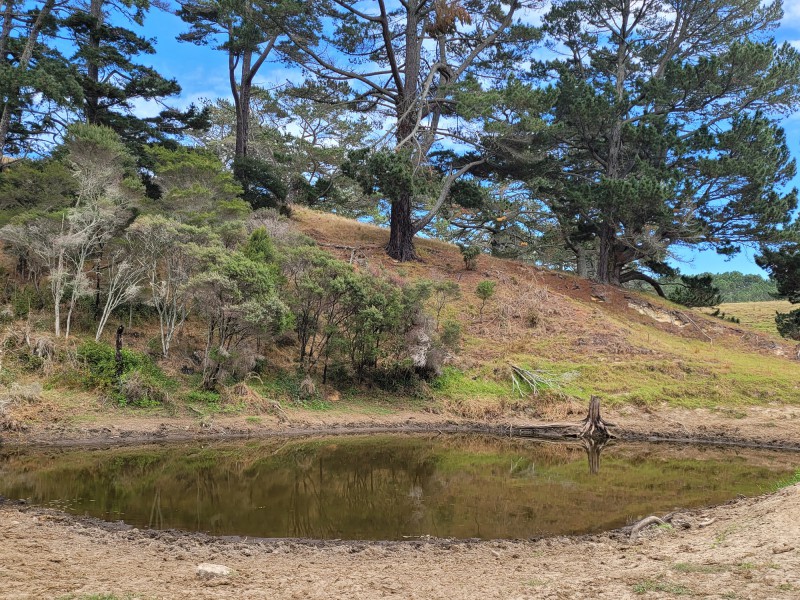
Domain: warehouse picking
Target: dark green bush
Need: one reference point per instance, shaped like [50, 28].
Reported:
[789, 324]
[451, 335]
[696, 290]
[470, 255]
[25, 299]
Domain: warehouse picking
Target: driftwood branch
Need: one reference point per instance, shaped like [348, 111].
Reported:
[646, 522]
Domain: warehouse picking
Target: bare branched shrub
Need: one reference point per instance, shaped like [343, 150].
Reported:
[18, 393]
[279, 227]
[140, 390]
[527, 307]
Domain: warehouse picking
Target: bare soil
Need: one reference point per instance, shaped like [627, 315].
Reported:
[775, 426]
[749, 548]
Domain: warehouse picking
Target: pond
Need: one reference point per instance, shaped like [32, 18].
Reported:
[386, 487]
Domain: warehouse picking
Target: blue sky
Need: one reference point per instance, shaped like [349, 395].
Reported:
[202, 73]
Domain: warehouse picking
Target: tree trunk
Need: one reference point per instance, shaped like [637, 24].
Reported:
[608, 271]
[8, 23]
[91, 91]
[243, 106]
[401, 230]
[581, 262]
[118, 352]
[401, 226]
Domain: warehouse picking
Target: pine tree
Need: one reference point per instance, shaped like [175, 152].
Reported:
[111, 78]
[661, 128]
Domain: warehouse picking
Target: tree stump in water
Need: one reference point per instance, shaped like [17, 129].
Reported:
[593, 425]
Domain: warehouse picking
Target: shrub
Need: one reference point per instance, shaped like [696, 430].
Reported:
[451, 335]
[144, 388]
[484, 291]
[204, 396]
[25, 299]
[470, 255]
[789, 324]
[142, 383]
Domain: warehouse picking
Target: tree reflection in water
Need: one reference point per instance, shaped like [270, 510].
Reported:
[384, 486]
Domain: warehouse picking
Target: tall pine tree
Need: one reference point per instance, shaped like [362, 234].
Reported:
[662, 128]
[113, 81]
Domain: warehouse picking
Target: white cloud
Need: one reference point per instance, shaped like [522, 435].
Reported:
[791, 13]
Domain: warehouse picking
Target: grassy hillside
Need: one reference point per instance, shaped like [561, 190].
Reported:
[621, 345]
[575, 337]
[758, 315]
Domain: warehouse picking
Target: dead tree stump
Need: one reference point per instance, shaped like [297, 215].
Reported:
[593, 425]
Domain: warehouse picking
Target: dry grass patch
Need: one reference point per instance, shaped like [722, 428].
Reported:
[758, 315]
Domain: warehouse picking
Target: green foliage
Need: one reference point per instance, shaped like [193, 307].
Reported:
[239, 301]
[195, 187]
[484, 291]
[348, 323]
[207, 397]
[783, 265]
[112, 82]
[142, 383]
[262, 186]
[788, 324]
[470, 255]
[441, 293]
[388, 173]
[260, 247]
[658, 178]
[451, 335]
[41, 184]
[696, 290]
[738, 287]
[784, 483]
[26, 298]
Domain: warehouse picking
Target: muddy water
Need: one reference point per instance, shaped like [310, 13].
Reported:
[387, 486]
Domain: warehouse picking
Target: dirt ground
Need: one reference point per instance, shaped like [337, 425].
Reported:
[749, 548]
[775, 425]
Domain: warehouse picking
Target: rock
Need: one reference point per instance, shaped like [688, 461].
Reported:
[209, 571]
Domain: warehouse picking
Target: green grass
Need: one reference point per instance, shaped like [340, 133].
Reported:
[649, 585]
[785, 482]
[457, 385]
[694, 568]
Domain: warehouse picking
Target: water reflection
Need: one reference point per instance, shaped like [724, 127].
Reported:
[386, 487]
[593, 449]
